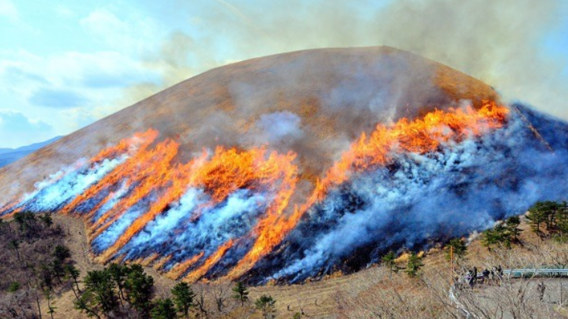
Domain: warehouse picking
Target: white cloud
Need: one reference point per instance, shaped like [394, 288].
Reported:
[68, 90]
[71, 89]
[22, 72]
[98, 69]
[136, 34]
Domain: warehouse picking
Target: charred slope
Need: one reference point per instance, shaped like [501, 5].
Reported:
[418, 201]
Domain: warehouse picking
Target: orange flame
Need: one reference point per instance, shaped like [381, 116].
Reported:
[137, 144]
[225, 172]
[418, 136]
[182, 267]
[152, 172]
[210, 262]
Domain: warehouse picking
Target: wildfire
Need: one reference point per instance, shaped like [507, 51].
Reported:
[418, 136]
[151, 175]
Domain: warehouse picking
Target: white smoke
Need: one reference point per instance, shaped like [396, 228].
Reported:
[117, 228]
[67, 184]
[116, 196]
[279, 129]
[466, 187]
[176, 231]
[414, 201]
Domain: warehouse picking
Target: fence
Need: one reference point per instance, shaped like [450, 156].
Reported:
[534, 272]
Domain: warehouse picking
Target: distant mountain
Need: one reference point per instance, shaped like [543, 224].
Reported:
[10, 155]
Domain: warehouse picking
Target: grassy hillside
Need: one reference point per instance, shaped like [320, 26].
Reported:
[372, 293]
[221, 106]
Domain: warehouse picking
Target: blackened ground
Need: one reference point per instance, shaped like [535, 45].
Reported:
[523, 170]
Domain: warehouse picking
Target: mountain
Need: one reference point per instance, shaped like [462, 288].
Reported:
[10, 155]
[233, 96]
[296, 165]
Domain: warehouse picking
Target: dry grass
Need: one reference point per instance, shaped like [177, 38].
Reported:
[220, 106]
[374, 292]
[294, 82]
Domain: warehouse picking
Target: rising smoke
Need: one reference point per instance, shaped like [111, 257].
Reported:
[246, 212]
[499, 42]
[423, 199]
[442, 176]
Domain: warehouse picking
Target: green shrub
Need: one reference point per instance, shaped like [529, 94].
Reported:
[456, 247]
[14, 286]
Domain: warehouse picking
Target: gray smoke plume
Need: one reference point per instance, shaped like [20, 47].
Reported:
[413, 202]
[500, 42]
[424, 199]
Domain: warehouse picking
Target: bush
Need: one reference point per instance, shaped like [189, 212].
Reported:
[163, 309]
[14, 286]
[504, 234]
[456, 247]
[266, 305]
[47, 220]
[551, 217]
[414, 265]
[389, 261]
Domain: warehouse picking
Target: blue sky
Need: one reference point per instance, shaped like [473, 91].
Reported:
[65, 64]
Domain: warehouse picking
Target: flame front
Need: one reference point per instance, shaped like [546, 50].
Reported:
[146, 205]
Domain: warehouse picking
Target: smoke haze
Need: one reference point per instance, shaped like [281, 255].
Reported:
[498, 42]
[228, 213]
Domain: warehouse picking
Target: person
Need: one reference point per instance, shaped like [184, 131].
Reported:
[474, 275]
[499, 275]
[485, 274]
[541, 288]
[469, 278]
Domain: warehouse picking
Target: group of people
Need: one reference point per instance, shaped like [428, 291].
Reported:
[472, 277]
[494, 276]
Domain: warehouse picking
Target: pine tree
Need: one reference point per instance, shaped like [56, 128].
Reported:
[456, 247]
[389, 261]
[414, 265]
[49, 297]
[241, 293]
[139, 288]
[266, 305]
[73, 272]
[543, 213]
[58, 269]
[118, 274]
[562, 222]
[183, 298]
[61, 253]
[490, 237]
[512, 227]
[499, 235]
[15, 245]
[99, 294]
[163, 309]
